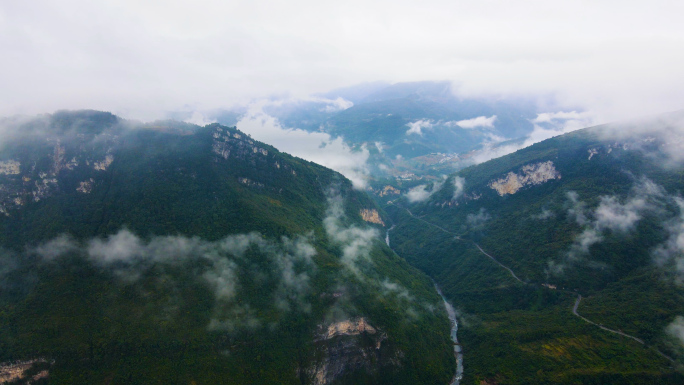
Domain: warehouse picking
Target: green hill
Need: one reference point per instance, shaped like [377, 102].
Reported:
[514, 241]
[172, 253]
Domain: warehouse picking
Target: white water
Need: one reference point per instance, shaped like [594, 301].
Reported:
[451, 312]
[454, 330]
[387, 235]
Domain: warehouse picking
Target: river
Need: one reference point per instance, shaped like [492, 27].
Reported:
[451, 312]
[454, 330]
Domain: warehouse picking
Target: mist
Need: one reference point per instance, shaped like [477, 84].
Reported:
[142, 60]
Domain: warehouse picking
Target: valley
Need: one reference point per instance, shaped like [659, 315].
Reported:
[520, 311]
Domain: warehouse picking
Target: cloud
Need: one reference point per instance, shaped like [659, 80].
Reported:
[653, 136]
[548, 117]
[356, 242]
[480, 121]
[336, 105]
[459, 187]
[611, 215]
[476, 221]
[421, 192]
[316, 147]
[676, 330]
[199, 119]
[545, 214]
[417, 126]
[670, 254]
[222, 266]
[546, 126]
[141, 59]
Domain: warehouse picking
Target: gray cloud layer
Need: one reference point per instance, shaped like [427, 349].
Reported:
[140, 59]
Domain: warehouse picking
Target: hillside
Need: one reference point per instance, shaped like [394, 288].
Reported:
[515, 241]
[173, 253]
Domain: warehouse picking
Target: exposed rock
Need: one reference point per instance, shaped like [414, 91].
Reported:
[85, 187]
[348, 346]
[58, 159]
[10, 167]
[389, 190]
[250, 183]
[42, 189]
[102, 165]
[371, 216]
[531, 174]
[15, 371]
[349, 328]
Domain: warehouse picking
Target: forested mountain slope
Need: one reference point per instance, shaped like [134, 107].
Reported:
[172, 253]
[514, 241]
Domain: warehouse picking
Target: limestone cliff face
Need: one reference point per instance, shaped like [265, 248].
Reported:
[531, 174]
[348, 346]
[388, 190]
[371, 216]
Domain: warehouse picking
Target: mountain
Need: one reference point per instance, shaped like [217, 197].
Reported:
[167, 252]
[563, 258]
[417, 127]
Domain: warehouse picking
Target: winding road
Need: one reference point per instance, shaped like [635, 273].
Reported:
[577, 302]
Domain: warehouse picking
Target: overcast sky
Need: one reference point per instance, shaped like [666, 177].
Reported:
[142, 58]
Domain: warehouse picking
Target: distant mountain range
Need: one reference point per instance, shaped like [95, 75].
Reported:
[409, 121]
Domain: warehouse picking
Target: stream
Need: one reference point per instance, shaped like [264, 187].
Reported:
[451, 312]
[454, 329]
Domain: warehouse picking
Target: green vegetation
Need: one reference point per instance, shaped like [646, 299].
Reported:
[522, 332]
[197, 255]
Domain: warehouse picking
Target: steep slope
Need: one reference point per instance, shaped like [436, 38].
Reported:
[514, 241]
[172, 253]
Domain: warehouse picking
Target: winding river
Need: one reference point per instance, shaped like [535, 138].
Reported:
[454, 329]
[451, 312]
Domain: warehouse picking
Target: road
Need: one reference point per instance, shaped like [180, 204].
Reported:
[577, 302]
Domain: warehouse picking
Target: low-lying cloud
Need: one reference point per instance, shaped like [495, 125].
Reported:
[316, 147]
[611, 215]
[356, 242]
[479, 122]
[671, 253]
[422, 192]
[459, 187]
[545, 126]
[476, 221]
[224, 266]
[418, 126]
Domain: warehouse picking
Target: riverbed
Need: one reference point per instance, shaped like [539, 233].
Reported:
[451, 312]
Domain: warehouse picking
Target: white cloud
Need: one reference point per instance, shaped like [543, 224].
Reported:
[417, 126]
[546, 126]
[222, 266]
[459, 187]
[476, 221]
[480, 121]
[143, 58]
[316, 147]
[611, 215]
[338, 104]
[676, 330]
[671, 253]
[199, 119]
[548, 117]
[356, 242]
[421, 192]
